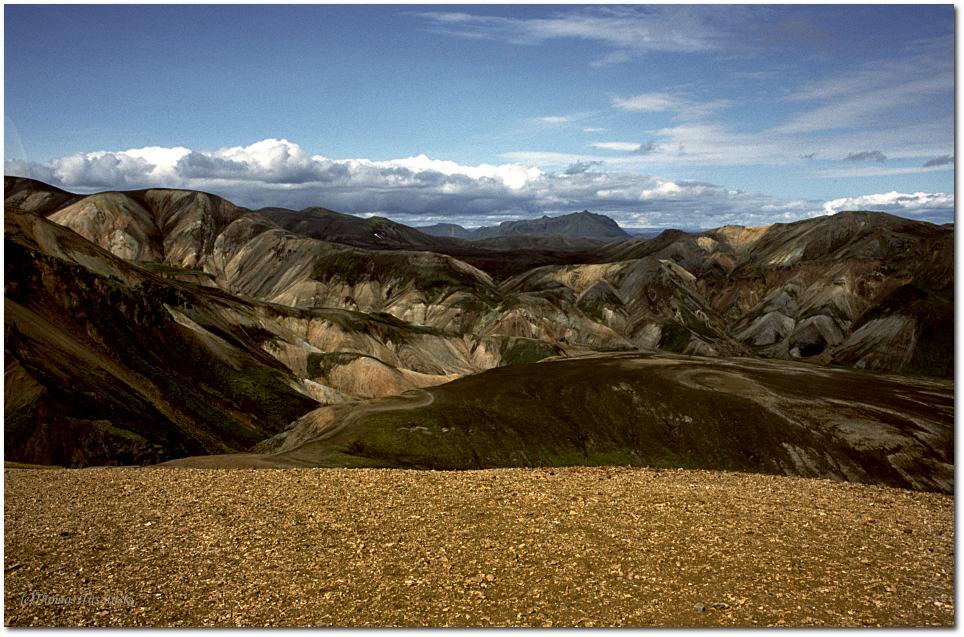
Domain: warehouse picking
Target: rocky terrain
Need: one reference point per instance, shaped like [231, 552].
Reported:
[193, 326]
[520, 547]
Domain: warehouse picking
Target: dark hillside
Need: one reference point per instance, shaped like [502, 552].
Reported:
[657, 411]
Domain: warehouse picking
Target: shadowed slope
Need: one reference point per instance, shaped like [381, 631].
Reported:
[35, 196]
[103, 367]
[111, 362]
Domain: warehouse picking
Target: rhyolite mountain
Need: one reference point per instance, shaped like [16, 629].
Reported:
[577, 225]
[166, 293]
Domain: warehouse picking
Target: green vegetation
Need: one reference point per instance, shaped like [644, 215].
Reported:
[562, 413]
[321, 364]
[516, 351]
[607, 411]
[674, 338]
[354, 266]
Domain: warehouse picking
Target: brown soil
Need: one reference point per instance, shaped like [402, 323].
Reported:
[561, 547]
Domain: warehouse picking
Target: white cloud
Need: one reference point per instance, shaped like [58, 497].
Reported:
[691, 144]
[877, 94]
[512, 176]
[277, 172]
[593, 129]
[274, 160]
[624, 30]
[879, 172]
[647, 102]
[159, 157]
[628, 147]
[554, 119]
[856, 110]
[704, 143]
[918, 204]
[681, 107]
[665, 189]
[104, 170]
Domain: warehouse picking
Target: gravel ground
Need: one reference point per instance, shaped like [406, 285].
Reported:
[570, 547]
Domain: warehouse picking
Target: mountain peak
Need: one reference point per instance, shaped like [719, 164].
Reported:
[575, 225]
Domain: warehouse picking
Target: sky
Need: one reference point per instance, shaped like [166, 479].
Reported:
[687, 116]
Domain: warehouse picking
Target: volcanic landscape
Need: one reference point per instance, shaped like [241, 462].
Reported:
[350, 421]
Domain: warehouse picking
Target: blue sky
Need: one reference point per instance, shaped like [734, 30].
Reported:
[660, 115]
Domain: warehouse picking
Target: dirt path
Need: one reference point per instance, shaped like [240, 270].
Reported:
[569, 547]
[425, 399]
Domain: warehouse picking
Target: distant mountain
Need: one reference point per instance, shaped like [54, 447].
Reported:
[649, 233]
[862, 289]
[451, 230]
[578, 225]
[373, 232]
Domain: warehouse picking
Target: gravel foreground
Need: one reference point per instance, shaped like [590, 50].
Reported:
[508, 547]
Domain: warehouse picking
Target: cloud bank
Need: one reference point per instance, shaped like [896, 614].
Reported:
[917, 205]
[419, 189]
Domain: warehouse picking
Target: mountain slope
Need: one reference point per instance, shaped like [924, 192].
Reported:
[818, 290]
[450, 230]
[102, 368]
[185, 325]
[35, 196]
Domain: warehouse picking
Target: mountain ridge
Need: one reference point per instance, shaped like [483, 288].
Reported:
[797, 290]
[576, 225]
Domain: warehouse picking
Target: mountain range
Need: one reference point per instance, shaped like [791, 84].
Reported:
[150, 325]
